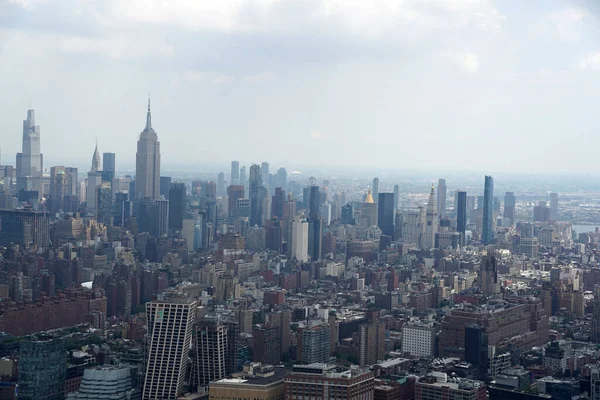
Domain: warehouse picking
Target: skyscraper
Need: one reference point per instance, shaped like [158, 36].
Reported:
[488, 276]
[553, 206]
[257, 194]
[177, 206]
[385, 214]
[243, 179]
[211, 350]
[108, 167]
[509, 205]
[431, 222]
[461, 215]
[396, 197]
[376, 189]
[315, 225]
[147, 162]
[313, 343]
[441, 197]
[221, 184]
[264, 168]
[104, 208]
[281, 180]
[30, 160]
[42, 370]
[300, 239]
[96, 166]
[487, 236]
[235, 173]
[170, 325]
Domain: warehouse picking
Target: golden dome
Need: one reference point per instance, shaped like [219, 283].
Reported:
[369, 198]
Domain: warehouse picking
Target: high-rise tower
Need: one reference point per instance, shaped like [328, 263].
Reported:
[170, 325]
[431, 222]
[461, 215]
[487, 236]
[235, 173]
[441, 197]
[147, 162]
[509, 205]
[29, 161]
[376, 189]
[96, 160]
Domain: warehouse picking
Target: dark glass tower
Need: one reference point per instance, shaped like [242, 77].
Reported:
[385, 213]
[108, 167]
[461, 215]
[177, 206]
[487, 236]
[257, 194]
[315, 225]
[42, 370]
[476, 349]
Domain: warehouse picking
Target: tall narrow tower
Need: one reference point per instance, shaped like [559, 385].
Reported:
[147, 162]
[29, 161]
[431, 222]
[487, 236]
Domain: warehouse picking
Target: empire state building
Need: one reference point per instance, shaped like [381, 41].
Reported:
[147, 162]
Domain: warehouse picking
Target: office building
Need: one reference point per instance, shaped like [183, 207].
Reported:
[595, 336]
[266, 344]
[385, 213]
[476, 349]
[243, 178]
[418, 339]
[553, 206]
[72, 181]
[147, 162]
[523, 325]
[94, 181]
[300, 228]
[375, 191]
[106, 382]
[257, 195]
[324, 381]
[25, 227]
[348, 214]
[489, 282]
[235, 173]
[177, 206]
[30, 160]
[541, 212]
[396, 197]
[438, 386]
[152, 216]
[313, 342]
[595, 383]
[170, 325]
[431, 222]
[510, 202]
[104, 204]
[58, 189]
[121, 209]
[441, 197]
[281, 179]
[234, 192]
[42, 369]
[258, 382]
[487, 236]
[371, 338]
[108, 163]
[264, 170]
[211, 351]
[461, 215]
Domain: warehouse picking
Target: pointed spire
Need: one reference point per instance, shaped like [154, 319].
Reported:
[148, 116]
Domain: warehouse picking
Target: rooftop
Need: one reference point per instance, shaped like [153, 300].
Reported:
[278, 375]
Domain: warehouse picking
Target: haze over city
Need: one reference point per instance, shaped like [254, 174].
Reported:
[408, 85]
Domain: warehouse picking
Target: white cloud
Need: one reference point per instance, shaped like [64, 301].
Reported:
[470, 63]
[590, 61]
[317, 135]
[568, 23]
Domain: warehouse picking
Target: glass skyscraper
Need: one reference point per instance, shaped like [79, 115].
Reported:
[487, 236]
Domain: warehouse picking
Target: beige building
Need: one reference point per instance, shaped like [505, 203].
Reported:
[257, 382]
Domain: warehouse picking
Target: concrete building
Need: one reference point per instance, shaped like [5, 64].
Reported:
[300, 239]
[257, 382]
[418, 339]
[431, 222]
[439, 386]
[106, 383]
[324, 381]
[170, 325]
[313, 343]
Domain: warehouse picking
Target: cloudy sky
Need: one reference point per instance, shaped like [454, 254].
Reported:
[396, 84]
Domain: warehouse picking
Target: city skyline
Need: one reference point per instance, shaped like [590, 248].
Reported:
[457, 81]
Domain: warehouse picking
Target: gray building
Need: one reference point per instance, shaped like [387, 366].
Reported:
[106, 383]
[147, 162]
[30, 160]
[24, 227]
[42, 370]
[313, 343]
